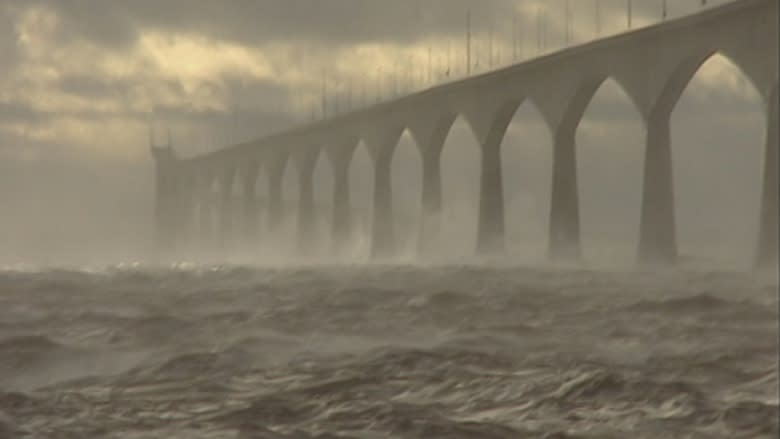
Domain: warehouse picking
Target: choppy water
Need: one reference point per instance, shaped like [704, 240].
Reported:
[386, 352]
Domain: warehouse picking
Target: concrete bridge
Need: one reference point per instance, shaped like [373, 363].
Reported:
[653, 65]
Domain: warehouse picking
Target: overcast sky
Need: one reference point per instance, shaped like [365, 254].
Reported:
[81, 81]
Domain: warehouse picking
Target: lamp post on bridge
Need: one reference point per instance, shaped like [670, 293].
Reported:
[324, 94]
[514, 36]
[568, 24]
[468, 42]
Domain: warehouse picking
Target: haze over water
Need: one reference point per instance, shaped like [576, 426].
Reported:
[100, 337]
[387, 351]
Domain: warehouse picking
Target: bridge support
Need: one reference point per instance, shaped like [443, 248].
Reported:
[657, 239]
[431, 208]
[205, 213]
[226, 208]
[275, 208]
[382, 228]
[250, 206]
[167, 209]
[564, 234]
[766, 252]
[186, 213]
[341, 226]
[490, 232]
[305, 165]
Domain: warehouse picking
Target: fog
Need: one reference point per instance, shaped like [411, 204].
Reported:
[80, 87]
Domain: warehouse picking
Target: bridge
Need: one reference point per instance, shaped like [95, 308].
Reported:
[653, 65]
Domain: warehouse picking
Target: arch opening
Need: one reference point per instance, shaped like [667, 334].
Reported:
[323, 203]
[286, 237]
[361, 189]
[460, 169]
[207, 228]
[406, 184]
[259, 248]
[610, 165]
[717, 137]
[526, 158]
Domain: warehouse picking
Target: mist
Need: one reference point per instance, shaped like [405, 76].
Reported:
[231, 332]
[76, 177]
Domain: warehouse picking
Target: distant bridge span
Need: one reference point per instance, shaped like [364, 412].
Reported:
[653, 65]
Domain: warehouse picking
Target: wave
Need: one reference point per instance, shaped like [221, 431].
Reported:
[393, 351]
[701, 303]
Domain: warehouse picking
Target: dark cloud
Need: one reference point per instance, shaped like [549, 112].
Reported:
[333, 22]
[41, 178]
[8, 48]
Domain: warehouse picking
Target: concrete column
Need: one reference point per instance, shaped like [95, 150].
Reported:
[250, 205]
[275, 207]
[342, 216]
[490, 233]
[382, 230]
[564, 238]
[305, 166]
[165, 209]
[766, 251]
[430, 214]
[167, 202]
[657, 240]
[226, 208]
[205, 213]
[185, 212]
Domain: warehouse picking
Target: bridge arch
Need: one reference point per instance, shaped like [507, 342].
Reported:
[460, 175]
[361, 189]
[610, 151]
[717, 132]
[284, 236]
[322, 176]
[526, 160]
[406, 185]
[262, 202]
[206, 211]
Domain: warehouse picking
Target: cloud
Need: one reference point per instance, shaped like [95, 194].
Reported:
[81, 81]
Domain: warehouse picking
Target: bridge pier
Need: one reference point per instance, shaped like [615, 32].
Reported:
[341, 226]
[382, 227]
[205, 213]
[226, 209]
[564, 233]
[766, 251]
[275, 205]
[168, 203]
[305, 166]
[657, 234]
[250, 207]
[186, 214]
[490, 232]
[431, 208]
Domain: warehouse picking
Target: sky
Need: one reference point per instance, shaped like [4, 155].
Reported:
[82, 82]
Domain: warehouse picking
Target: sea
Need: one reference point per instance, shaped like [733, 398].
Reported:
[376, 351]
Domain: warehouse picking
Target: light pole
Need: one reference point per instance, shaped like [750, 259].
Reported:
[514, 36]
[468, 42]
[324, 94]
[539, 31]
[378, 84]
[490, 47]
[429, 65]
[598, 18]
[568, 24]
